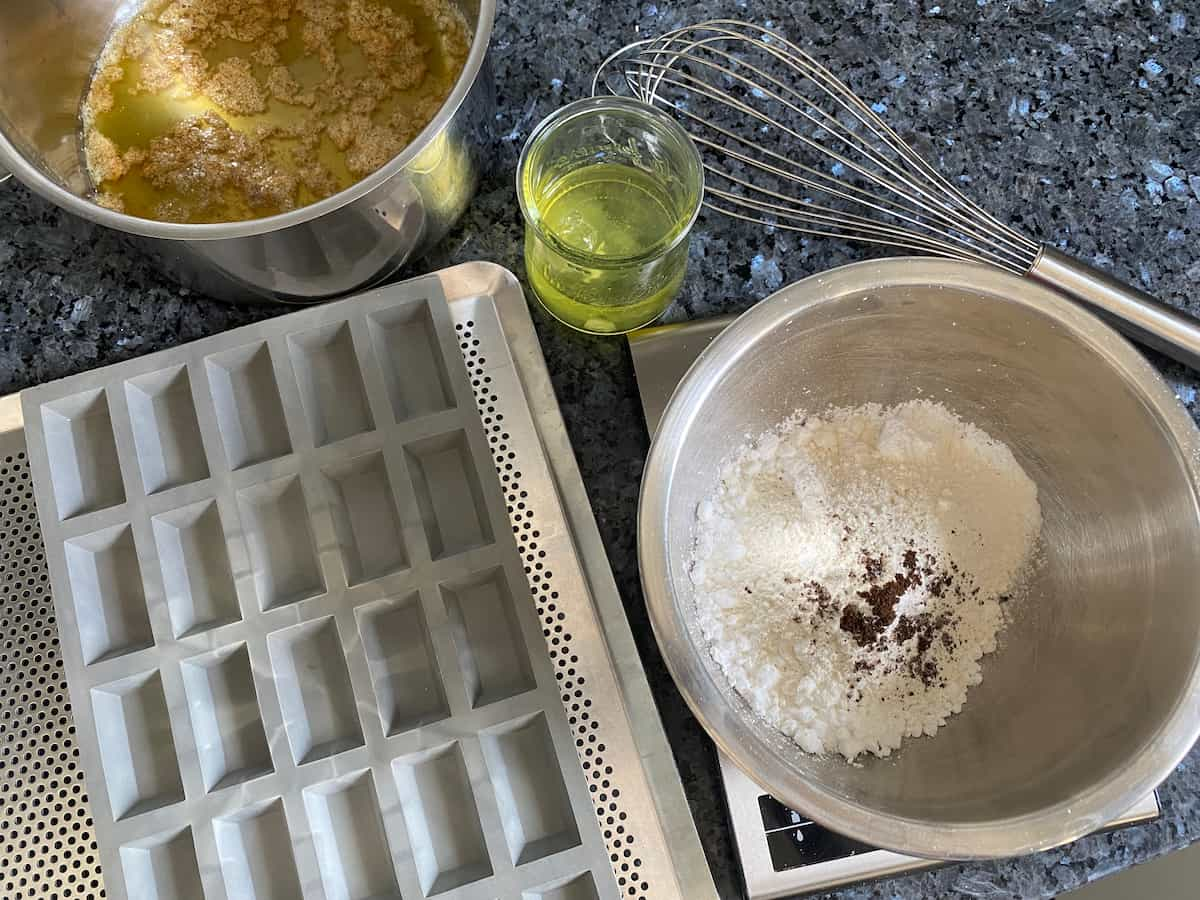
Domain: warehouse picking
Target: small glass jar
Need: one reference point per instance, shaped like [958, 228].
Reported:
[609, 188]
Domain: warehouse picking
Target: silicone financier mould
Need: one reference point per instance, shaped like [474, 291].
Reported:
[299, 640]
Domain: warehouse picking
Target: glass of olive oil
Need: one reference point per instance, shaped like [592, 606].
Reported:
[609, 188]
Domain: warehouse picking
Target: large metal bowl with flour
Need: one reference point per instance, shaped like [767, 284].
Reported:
[1094, 694]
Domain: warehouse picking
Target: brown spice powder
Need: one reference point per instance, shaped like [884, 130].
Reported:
[868, 627]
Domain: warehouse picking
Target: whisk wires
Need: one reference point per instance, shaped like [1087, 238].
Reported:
[786, 144]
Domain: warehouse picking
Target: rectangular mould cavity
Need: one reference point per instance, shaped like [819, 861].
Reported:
[402, 663]
[83, 454]
[282, 550]
[106, 588]
[487, 636]
[414, 370]
[255, 851]
[579, 887]
[162, 867]
[365, 518]
[166, 434]
[351, 843]
[223, 704]
[197, 575]
[532, 798]
[313, 683]
[137, 749]
[331, 385]
[246, 400]
[449, 494]
[444, 829]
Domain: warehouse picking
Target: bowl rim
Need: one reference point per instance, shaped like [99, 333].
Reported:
[1052, 826]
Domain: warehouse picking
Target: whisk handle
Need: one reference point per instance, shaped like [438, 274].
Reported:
[1134, 313]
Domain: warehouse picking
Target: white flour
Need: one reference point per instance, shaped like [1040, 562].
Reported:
[851, 570]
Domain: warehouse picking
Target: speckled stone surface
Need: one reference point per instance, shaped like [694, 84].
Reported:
[1076, 120]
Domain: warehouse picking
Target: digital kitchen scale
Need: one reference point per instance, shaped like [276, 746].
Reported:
[782, 852]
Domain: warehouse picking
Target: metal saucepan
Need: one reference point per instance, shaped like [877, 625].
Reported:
[364, 234]
[1094, 694]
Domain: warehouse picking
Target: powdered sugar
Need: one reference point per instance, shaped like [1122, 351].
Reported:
[851, 570]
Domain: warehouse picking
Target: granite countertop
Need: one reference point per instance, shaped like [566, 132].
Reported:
[1075, 123]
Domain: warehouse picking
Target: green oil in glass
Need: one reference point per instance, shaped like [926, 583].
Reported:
[601, 267]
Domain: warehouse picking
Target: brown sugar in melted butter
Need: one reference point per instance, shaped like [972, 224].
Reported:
[226, 110]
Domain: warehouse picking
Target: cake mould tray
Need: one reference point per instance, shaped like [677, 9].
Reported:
[336, 622]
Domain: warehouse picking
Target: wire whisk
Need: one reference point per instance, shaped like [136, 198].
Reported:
[787, 144]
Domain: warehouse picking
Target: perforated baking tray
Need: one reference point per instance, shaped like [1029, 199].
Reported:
[336, 623]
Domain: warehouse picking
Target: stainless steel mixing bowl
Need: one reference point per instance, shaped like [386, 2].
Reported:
[1094, 695]
[361, 236]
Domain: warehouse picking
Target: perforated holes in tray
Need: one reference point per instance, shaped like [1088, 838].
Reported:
[47, 847]
[556, 628]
